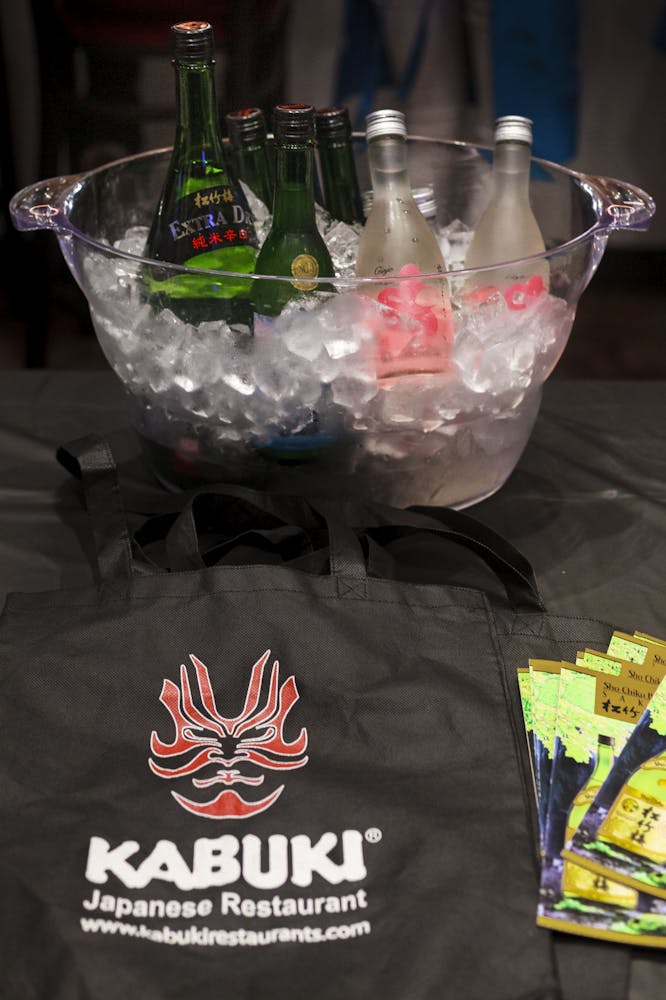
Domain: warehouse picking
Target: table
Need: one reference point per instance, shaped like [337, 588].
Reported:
[586, 505]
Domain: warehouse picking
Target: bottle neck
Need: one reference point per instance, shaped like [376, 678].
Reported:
[511, 169]
[196, 124]
[293, 207]
[341, 191]
[604, 762]
[253, 167]
[387, 158]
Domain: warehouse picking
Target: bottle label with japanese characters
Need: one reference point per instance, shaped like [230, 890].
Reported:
[623, 833]
[636, 820]
[593, 886]
[209, 219]
[625, 693]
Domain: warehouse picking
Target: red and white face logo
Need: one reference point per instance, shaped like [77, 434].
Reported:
[228, 751]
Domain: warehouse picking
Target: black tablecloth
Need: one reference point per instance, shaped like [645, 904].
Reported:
[586, 505]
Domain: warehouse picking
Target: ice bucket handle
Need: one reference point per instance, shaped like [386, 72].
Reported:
[619, 205]
[42, 205]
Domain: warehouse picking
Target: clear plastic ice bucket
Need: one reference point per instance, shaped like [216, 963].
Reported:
[389, 412]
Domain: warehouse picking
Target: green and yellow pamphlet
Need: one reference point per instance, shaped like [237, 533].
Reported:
[601, 702]
[544, 686]
[525, 689]
[623, 834]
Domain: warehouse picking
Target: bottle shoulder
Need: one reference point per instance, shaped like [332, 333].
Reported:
[281, 248]
[396, 234]
[397, 217]
[504, 232]
[186, 175]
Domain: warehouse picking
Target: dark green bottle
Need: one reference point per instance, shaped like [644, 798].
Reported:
[202, 219]
[249, 152]
[294, 248]
[342, 195]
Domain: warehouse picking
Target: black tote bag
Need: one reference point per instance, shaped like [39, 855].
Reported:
[262, 779]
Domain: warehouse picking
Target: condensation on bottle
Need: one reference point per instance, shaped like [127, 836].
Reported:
[415, 333]
[508, 230]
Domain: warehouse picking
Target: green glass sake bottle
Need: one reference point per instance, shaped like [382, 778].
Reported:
[294, 248]
[342, 195]
[202, 220]
[251, 161]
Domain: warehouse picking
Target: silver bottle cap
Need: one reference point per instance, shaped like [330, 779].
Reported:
[513, 128]
[385, 123]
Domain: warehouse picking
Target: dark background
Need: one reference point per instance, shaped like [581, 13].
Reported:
[86, 81]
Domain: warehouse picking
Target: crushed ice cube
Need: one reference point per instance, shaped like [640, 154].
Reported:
[454, 240]
[324, 354]
[353, 393]
[133, 241]
[342, 242]
[302, 337]
[260, 212]
[239, 382]
[323, 219]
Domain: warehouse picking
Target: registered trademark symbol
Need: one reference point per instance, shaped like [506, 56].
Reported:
[373, 835]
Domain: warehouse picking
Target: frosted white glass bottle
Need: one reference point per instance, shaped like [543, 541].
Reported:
[507, 229]
[395, 233]
[416, 334]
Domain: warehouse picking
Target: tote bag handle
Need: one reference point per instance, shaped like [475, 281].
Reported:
[222, 523]
[508, 564]
[214, 511]
[209, 508]
[90, 460]
[383, 524]
[521, 592]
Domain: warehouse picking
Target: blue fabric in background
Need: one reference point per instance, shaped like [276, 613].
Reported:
[364, 66]
[535, 69]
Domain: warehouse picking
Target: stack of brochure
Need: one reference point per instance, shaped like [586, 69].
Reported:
[596, 732]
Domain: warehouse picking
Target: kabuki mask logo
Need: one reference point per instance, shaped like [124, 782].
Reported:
[227, 751]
